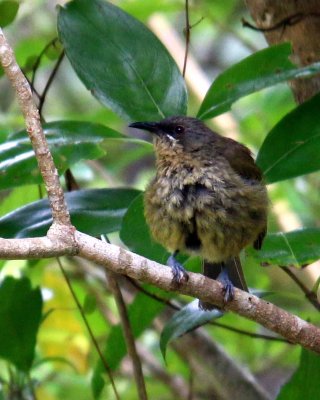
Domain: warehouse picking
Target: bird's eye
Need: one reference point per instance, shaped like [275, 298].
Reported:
[179, 129]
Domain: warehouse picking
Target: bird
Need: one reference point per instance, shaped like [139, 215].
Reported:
[207, 199]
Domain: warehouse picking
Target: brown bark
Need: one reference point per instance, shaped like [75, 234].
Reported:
[297, 22]
[38, 140]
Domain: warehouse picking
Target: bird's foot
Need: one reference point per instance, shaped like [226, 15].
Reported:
[228, 288]
[179, 274]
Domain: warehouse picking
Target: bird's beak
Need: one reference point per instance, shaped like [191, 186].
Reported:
[146, 126]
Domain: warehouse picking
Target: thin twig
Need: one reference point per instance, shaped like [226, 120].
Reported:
[218, 324]
[31, 387]
[310, 295]
[88, 327]
[127, 331]
[49, 82]
[34, 90]
[71, 182]
[39, 58]
[128, 335]
[153, 295]
[187, 34]
[250, 334]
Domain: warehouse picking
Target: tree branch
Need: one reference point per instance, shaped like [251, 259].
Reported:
[33, 248]
[310, 295]
[296, 22]
[31, 115]
[62, 239]
[121, 261]
[249, 306]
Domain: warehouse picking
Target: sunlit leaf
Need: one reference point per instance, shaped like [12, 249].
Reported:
[292, 146]
[120, 61]
[296, 248]
[95, 212]
[258, 71]
[69, 142]
[20, 316]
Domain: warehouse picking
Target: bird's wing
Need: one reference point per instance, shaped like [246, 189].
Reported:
[242, 162]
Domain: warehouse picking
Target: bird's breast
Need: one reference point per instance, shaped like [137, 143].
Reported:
[204, 211]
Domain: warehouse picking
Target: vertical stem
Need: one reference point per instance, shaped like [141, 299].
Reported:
[187, 33]
[128, 335]
[91, 334]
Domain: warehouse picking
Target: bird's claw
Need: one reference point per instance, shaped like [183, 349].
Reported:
[179, 274]
[228, 288]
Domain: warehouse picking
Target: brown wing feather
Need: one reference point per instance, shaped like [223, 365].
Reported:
[242, 162]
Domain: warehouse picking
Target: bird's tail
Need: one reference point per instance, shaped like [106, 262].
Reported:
[233, 269]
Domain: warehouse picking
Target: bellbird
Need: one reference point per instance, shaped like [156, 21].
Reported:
[207, 199]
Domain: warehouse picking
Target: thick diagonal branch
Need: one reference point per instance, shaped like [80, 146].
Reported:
[293, 328]
[118, 260]
[30, 112]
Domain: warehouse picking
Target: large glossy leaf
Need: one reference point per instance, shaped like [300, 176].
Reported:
[20, 317]
[94, 212]
[69, 142]
[292, 147]
[185, 320]
[135, 233]
[304, 383]
[258, 71]
[296, 248]
[120, 61]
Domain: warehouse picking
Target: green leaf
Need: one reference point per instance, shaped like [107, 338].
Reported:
[69, 142]
[136, 235]
[141, 313]
[120, 61]
[8, 12]
[95, 212]
[258, 71]
[304, 383]
[296, 248]
[90, 304]
[20, 316]
[292, 147]
[185, 320]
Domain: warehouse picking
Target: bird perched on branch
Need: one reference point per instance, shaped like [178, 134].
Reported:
[206, 199]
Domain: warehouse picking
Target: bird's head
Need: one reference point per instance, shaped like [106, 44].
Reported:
[178, 134]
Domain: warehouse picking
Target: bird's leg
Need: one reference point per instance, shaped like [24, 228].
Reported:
[179, 273]
[228, 287]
